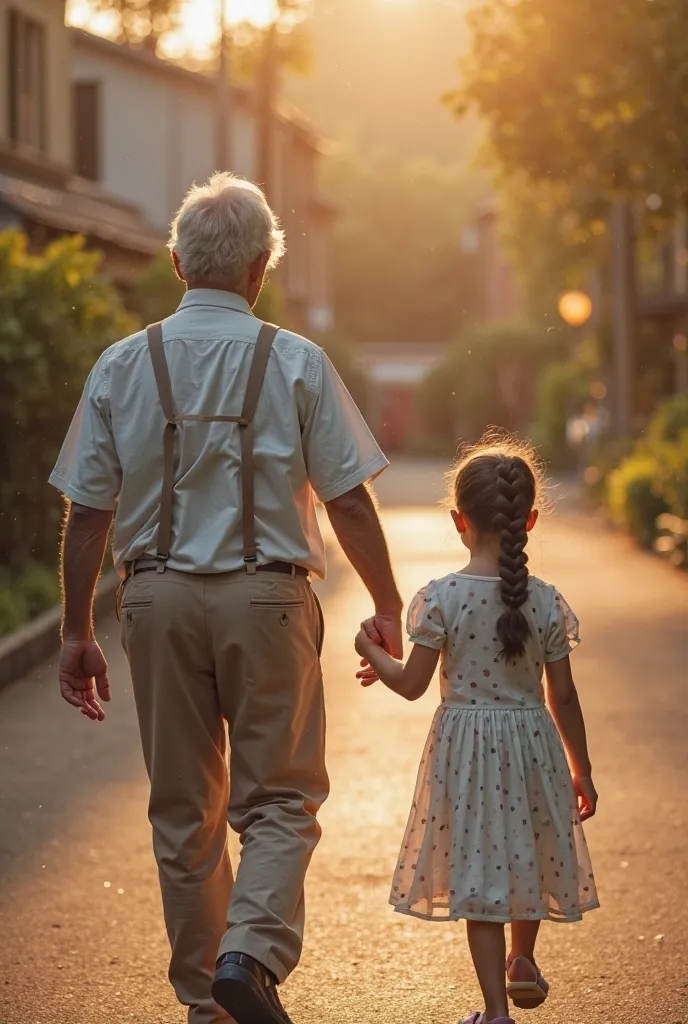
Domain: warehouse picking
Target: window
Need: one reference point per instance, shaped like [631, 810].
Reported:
[26, 67]
[86, 98]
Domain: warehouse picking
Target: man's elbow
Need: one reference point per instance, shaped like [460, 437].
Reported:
[85, 519]
[352, 504]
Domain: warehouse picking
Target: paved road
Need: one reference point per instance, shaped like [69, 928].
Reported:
[81, 937]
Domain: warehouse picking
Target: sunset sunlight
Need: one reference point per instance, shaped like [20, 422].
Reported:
[343, 343]
[198, 30]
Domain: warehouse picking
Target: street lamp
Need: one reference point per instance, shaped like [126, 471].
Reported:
[575, 308]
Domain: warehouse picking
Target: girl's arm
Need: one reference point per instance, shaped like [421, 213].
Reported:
[562, 698]
[409, 680]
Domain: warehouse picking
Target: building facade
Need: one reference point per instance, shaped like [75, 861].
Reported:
[39, 192]
[104, 140]
[146, 129]
[501, 301]
[393, 373]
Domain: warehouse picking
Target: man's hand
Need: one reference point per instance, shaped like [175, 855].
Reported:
[364, 645]
[83, 671]
[386, 631]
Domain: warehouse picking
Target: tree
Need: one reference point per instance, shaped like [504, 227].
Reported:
[141, 20]
[138, 20]
[400, 273]
[589, 93]
[555, 236]
[488, 378]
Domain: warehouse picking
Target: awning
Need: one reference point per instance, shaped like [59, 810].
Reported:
[74, 208]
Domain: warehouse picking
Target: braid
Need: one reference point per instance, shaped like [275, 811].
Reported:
[512, 508]
[496, 487]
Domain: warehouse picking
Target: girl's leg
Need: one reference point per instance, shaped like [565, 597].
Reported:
[488, 949]
[523, 938]
[527, 988]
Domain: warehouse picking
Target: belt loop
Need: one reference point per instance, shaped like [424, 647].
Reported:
[293, 570]
[162, 562]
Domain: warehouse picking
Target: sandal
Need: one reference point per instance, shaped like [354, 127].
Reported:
[479, 1018]
[526, 988]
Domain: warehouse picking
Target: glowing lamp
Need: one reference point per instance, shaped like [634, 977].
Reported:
[575, 308]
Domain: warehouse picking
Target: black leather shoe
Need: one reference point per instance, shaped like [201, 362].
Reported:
[247, 991]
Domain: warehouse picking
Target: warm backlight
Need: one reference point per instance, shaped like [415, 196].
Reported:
[199, 26]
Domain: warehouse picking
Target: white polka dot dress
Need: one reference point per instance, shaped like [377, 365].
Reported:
[494, 832]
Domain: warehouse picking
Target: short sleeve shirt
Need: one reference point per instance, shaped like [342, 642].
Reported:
[457, 616]
[310, 442]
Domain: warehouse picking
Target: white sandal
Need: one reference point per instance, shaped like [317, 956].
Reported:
[526, 988]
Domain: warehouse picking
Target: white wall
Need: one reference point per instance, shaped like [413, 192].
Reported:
[158, 131]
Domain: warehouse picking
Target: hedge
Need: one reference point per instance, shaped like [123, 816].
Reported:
[647, 493]
[57, 314]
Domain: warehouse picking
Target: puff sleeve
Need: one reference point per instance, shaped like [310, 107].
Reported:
[424, 624]
[563, 629]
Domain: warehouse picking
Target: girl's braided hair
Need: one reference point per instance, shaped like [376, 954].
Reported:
[496, 486]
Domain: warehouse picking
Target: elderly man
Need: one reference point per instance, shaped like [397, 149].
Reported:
[209, 438]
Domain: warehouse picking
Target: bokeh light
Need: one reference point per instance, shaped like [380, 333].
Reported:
[575, 308]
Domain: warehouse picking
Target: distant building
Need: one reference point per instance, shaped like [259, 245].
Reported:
[393, 373]
[146, 129]
[500, 300]
[39, 192]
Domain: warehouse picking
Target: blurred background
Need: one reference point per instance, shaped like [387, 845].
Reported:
[485, 206]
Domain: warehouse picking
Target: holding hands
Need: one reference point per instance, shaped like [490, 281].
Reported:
[368, 639]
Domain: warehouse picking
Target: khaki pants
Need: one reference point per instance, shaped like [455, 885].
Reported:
[242, 649]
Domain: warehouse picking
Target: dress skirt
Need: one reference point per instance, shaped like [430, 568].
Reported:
[494, 832]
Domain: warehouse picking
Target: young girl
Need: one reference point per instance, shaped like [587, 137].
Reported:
[494, 834]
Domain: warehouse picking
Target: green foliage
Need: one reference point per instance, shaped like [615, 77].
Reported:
[648, 492]
[555, 235]
[671, 419]
[398, 268]
[39, 588]
[563, 389]
[586, 92]
[157, 292]
[487, 379]
[270, 305]
[635, 497]
[672, 540]
[13, 609]
[27, 594]
[56, 317]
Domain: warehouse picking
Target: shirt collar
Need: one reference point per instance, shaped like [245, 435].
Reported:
[215, 297]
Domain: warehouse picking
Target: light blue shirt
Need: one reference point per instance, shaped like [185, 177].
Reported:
[310, 440]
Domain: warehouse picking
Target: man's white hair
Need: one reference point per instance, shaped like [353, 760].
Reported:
[221, 228]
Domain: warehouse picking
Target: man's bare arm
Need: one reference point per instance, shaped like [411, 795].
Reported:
[357, 525]
[82, 669]
[83, 548]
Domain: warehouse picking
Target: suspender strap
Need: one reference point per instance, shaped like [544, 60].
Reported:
[254, 387]
[162, 379]
[256, 378]
[161, 370]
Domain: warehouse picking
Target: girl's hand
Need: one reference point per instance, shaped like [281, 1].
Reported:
[587, 796]
[364, 645]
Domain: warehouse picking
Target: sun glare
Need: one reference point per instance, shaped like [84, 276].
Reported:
[198, 30]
